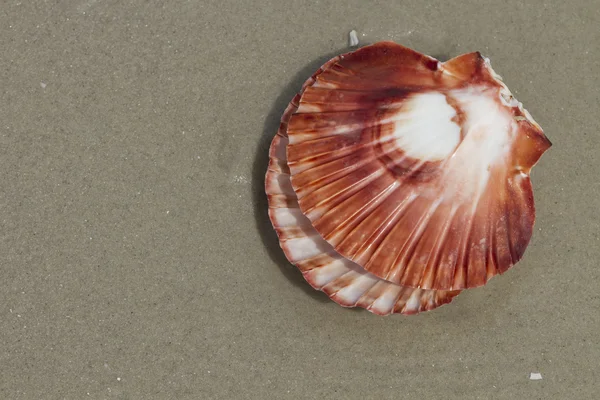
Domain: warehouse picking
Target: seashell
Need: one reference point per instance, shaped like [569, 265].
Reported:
[408, 171]
[323, 268]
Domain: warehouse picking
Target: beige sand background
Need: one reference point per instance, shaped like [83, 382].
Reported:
[137, 261]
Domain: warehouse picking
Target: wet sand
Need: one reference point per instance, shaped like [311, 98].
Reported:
[138, 259]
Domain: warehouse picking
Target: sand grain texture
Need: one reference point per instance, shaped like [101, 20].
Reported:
[138, 261]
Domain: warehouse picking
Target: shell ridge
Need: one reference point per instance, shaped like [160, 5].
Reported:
[493, 250]
[392, 267]
[401, 304]
[385, 226]
[341, 195]
[386, 235]
[405, 294]
[334, 153]
[337, 284]
[370, 206]
[462, 261]
[319, 261]
[351, 293]
[484, 183]
[347, 150]
[346, 228]
[460, 275]
[428, 279]
[511, 252]
[323, 276]
[334, 176]
[376, 305]
[407, 262]
[356, 121]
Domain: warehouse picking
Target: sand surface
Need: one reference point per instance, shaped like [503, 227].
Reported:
[137, 258]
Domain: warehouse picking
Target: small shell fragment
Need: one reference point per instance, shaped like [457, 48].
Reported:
[535, 376]
[353, 38]
[400, 171]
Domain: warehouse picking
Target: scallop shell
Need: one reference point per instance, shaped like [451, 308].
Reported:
[410, 173]
[416, 170]
[323, 268]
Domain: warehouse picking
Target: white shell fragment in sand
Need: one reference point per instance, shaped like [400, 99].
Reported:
[353, 38]
[535, 376]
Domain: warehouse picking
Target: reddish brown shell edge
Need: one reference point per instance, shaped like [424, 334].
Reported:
[343, 281]
[364, 196]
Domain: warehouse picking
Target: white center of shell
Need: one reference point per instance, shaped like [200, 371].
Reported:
[488, 134]
[425, 129]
